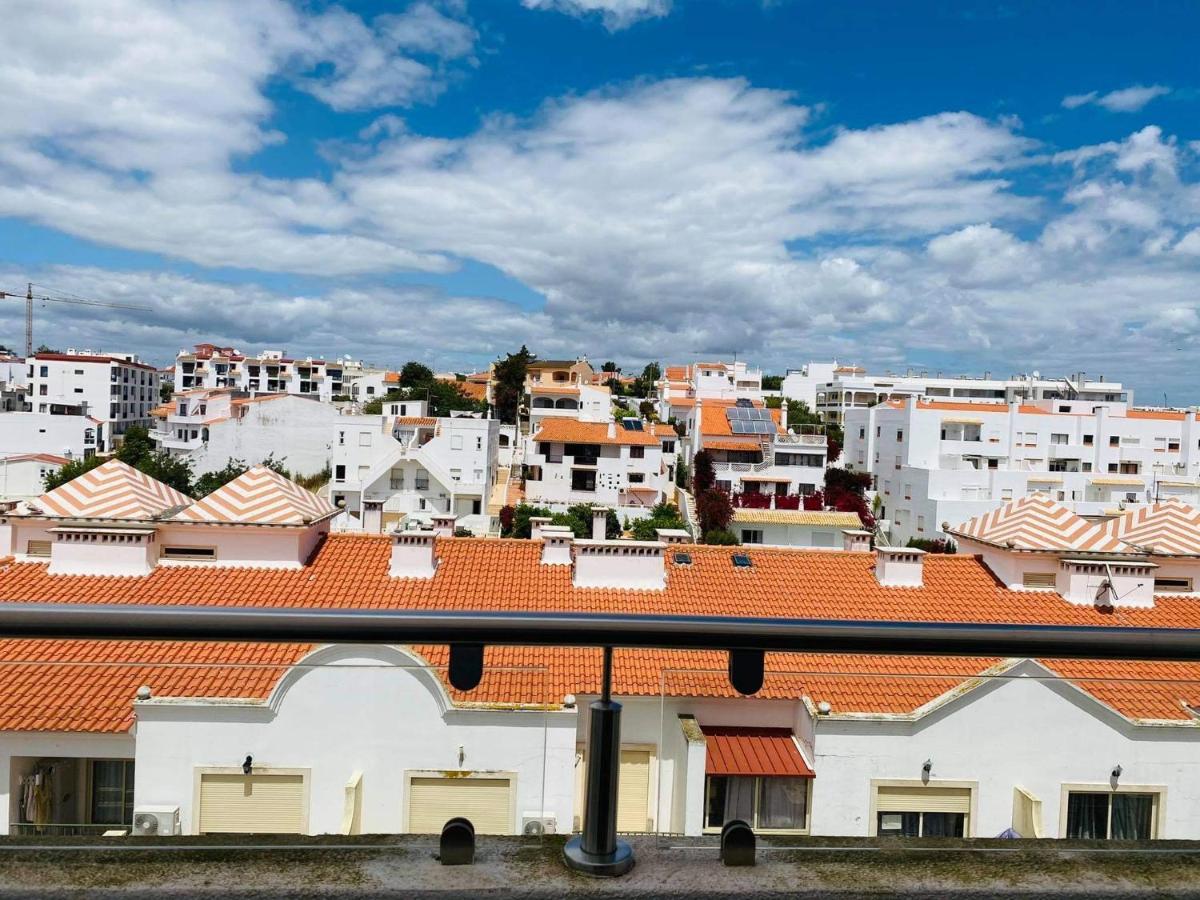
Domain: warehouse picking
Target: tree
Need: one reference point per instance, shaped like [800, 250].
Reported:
[509, 374]
[173, 471]
[724, 537]
[714, 509]
[646, 384]
[704, 476]
[681, 474]
[663, 515]
[234, 468]
[73, 469]
[507, 514]
[648, 411]
[521, 516]
[772, 382]
[136, 445]
[579, 519]
[415, 375]
[933, 545]
[164, 393]
[609, 366]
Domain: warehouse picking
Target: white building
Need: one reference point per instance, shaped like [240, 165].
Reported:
[754, 452]
[833, 390]
[408, 467]
[581, 402]
[627, 465]
[827, 529]
[14, 381]
[938, 461]
[23, 475]
[117, 390]
[72, 436]
[295, 738]
[681, 386]
[274, 372]
[209, 427]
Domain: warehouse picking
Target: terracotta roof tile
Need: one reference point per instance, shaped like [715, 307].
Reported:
[572, 431]
[753, 751]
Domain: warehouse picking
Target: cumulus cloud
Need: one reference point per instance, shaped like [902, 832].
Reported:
[1130, 99]
[616, 14]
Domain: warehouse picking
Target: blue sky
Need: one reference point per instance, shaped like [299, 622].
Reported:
[949, 186]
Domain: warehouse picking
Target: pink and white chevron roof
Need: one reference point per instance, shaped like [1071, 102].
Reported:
[1170, 528]
[1036, 522]
[259, 496]
[112, 490]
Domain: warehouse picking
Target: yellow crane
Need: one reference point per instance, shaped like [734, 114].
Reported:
[51, 298]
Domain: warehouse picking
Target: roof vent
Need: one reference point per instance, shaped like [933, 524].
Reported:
[556, 545]
[856, 539]
[599, 523]
[742, 561]
[443, 524]
[673, 535]
[413, 554]
[631, 565]
[899, 566]
[536, 525]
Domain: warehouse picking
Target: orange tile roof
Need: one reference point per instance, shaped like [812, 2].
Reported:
[476, 390]
[259, 496]
[350, 571]
[677, 373]
[572, 431]
[536, 388]
[949, 406]
[36, 457]
[112, 490]
[740, 445]
[417, 421]
[391, 377]
[714, 421]
[1165, 415]
[663, 430]
[161, 412]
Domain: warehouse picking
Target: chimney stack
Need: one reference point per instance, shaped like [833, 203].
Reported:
[673, 536]
[443, 524]
[627, 565]
[413, 555]
[536, 525]
[599, 522]
[856, 540]
[899, 566]
[556, 545]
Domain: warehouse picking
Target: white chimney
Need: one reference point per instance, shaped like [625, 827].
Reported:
[413, 554]
[102, 551]
[899, 566]
[443, 524]
[556, 545]
[536, 525]
[673, 536]
[612, 430]
[599, 523]
[1106, 583]
[855, 540]
[628, 565]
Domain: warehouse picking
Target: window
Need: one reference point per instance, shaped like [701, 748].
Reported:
[37, 548]
[364, 439]
[456, 474]
[1111, 816]
[1173, 585]
[637, 452]
[456, 442]
[112, 792]
[1058, 438]
[637, 477]
[1114, 440]
[583, 480]
[339, 473]
[341, 438]
[421, 481]
[202, 553]
[920, 824]
[920, 523]
[43, 371]
[396, 480]
[1173, 446]
[927, 810]
[668, 446]
[899, 435]
[752, 536]
[478, 443]
[773, 803]
[1006, 494]
[1089, 440]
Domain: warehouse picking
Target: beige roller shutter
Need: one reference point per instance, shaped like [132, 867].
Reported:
[487, 802]
[633, 795]
[923, 799]
[251, 804]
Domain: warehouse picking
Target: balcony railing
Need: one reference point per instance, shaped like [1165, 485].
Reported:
[57, 829]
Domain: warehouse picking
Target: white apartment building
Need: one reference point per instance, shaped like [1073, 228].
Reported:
[753, 451]
[295, 738]
[274, 372]
[582, 402]
[407, 468]
[627, 465]
[73, 437]
[832, 390]
[13, 383]
[681, 386]
[118, 391]
[23, 475]
[211, 426]
[937, 461]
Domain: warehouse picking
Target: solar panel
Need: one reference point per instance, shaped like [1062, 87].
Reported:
[741, 561]
[743, 401]
[632, 424]
[757, 413]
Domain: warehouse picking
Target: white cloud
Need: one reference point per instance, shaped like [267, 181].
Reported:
[616, 14]
[1130, 99]
[984, 254]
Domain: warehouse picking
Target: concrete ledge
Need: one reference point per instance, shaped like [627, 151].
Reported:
[404, 866]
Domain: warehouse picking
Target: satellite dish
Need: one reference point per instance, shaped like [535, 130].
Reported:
[1106, 594]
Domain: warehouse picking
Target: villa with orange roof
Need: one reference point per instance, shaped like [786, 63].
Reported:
[681, 386]
[290, 737]
[935, 461]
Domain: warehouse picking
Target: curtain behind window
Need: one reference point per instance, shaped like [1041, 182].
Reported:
[782, 802]
[1087, 816]
[1131, 817]
[739, 800]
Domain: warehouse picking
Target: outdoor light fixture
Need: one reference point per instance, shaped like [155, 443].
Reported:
[927, 767]
[1117, 770]
[248, 765]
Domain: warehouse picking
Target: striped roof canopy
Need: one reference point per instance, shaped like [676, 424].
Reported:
[112, 490]
[259, 496]
[1169, 528]
[1036, 522]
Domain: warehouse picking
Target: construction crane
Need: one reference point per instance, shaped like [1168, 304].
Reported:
[61, 298]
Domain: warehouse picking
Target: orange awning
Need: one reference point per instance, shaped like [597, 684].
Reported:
[753, 751]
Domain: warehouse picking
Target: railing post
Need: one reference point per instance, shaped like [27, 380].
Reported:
[597, 851]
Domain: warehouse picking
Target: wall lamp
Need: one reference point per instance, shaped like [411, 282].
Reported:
[1117, 770]
[926, 768]
[248, 764]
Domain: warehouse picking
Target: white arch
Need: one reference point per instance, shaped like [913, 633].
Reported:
[391, 654]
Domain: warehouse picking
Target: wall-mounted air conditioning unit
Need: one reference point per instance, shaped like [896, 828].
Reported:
[155, 820]
[533, 823]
